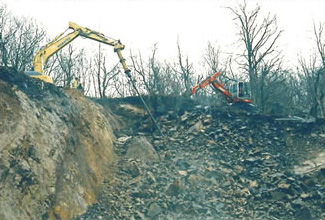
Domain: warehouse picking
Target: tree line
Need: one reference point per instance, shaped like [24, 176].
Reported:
[275, 88]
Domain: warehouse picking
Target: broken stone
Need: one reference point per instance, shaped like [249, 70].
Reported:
[253, 184]
[207, 120]
[140, 214]
[154, 210]
[197, 127]
[283, 185]
[122, 140]
[151, 176]
[303, 213]
[221, 169]
[278, 195]
[140, 148]
[305, 195]
[185, 116]
[194, 179]
[225, 127]
[182, 172]
[238, 169]
[175, 188]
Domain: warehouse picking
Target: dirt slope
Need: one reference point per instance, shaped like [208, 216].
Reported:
[53, 145]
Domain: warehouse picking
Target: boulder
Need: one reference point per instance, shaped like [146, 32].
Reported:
[140, 148]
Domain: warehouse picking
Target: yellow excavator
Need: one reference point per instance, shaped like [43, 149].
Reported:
[62, 40]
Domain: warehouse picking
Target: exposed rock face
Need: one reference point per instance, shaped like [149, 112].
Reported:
[54, 145]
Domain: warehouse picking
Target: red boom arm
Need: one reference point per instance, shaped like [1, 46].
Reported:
[212, 80]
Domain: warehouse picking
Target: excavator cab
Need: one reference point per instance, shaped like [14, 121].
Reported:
[240, 92]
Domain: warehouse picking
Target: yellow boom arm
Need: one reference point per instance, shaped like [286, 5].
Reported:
[60, 41]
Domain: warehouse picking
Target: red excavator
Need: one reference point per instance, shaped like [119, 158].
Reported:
[237, 93]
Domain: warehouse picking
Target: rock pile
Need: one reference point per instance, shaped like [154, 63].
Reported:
[216, 164]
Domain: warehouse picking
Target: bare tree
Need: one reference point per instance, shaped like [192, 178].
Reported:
[84, 71]
[70, 61]
[184, 71]
[298, 94]
[52, 68]
[6, 31]
[142, 71]
[120, 88]
[162, 78]
[313, 74]
[259, 37]
[320, 42]
[28, 38]
[102, 74]
[156, 78]
[211, 59]
[19, 40]
[151, 79]
[212, 63]
[315, 79]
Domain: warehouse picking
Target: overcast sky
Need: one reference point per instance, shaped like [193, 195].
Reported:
[139, 24]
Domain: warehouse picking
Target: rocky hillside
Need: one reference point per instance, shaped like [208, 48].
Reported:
[54, 143]
[63, 156]
[215, 163]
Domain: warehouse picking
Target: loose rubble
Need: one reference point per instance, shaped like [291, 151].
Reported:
[216, 164]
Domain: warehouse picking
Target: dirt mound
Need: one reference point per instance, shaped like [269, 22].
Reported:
[54, 143]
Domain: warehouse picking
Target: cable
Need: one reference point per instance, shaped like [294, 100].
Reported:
[144, 103]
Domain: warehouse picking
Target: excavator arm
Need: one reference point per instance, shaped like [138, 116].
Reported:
[62, 40]
[216, 85]
[205, 83]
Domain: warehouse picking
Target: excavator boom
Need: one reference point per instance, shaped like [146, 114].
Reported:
[205, 83]
[62, 40]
